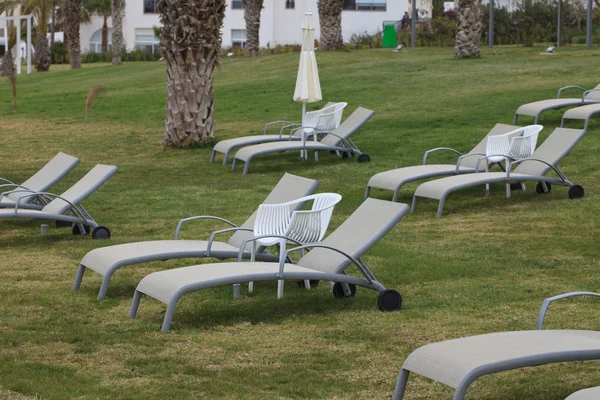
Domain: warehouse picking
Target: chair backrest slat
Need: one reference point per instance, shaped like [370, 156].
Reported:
[498, 129]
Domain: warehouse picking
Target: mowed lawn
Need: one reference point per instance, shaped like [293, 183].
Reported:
[485, 266]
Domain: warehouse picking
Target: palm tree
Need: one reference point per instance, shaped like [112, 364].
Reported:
[118, 43]
[72, 11]
[42, 12]
[252, 9]
[103, 9]
[468, 29]
[330, 18]
[190, 42]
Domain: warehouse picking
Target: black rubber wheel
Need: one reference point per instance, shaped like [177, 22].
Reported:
[345, 155]
[338, 290]
[539, 188]
[63, 224]
[389, 300]
[515, 186]
[363, 158]
[76, 232]
[313, 283]
[101, 232]
[576, 192]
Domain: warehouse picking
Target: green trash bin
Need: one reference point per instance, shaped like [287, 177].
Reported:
[389, 35]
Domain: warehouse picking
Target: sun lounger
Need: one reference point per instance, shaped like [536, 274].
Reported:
[586, 394]
[458, 363]
[225, 146]
[41, 181]
[107, 260]
[338, 141]
[545, 158]
[327, 261]
[584, 113]
[66, 207]
[536, 108]
[396, 178]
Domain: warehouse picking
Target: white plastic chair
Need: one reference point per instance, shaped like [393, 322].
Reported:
[509, 146]
[304, 226]
[325, 120]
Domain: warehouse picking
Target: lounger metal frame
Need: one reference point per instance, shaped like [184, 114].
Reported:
[532, 361]
[574, 103]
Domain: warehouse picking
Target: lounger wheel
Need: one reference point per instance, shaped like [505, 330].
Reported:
[576, 192]
[363, 158]
[77, 232]
[539, 188]
[389, 300]
[339, 293]
[313, 283]
[63, 224]
[101, 232]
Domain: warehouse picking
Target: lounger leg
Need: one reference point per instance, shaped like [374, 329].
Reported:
[166, 326]
[79, 277]
[233, 164]
[401, 385]
[413, 207]
[104, 286]
[316, 155]
[280, 289]
[225, 157]
[307, 284]
[137, 296]
[461, 391]
[508, 190]
[440, 208]
[246, 166]
[515, 119]
[212, 156]
[395, 196]
[252, 258]
[367, 192]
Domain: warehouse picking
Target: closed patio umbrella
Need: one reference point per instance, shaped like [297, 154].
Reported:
[308, 87]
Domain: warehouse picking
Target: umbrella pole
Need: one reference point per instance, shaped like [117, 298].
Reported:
[303, 153]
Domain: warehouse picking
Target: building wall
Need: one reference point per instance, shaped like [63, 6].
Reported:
[278, 25]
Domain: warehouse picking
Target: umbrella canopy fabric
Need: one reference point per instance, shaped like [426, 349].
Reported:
[308, 87]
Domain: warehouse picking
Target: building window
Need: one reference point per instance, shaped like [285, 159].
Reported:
[96, 41]
[150, 6]
[238, 38]
[290, 4]
[365, 5]
[236, 4]
[146, 41]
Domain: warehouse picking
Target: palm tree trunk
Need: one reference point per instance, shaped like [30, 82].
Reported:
[72, 22]
[252, 9]
[42, 53]
[105, 35]
[118, 44]
[468, 29]
[330, 18]
[191, 55]
[53, 25]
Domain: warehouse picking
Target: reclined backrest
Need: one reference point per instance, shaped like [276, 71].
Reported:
[595, 95]
[46, 177]
[365, 227]
[357, 119]
[82, 189]
[555, 148]
[290, 187]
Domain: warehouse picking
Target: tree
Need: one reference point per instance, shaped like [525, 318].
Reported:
[330, 18]
[190, 42]
[103, 9]
[118, 42]
[468, 29]
[42, 12]
[252, 9]
[72, 10]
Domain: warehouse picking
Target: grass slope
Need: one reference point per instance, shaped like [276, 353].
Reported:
[485, 266]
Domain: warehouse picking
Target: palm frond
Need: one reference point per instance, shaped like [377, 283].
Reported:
[91, 98]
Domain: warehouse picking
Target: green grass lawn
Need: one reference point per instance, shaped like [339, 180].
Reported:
[485, 266]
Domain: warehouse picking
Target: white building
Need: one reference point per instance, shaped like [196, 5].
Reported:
[280, 21]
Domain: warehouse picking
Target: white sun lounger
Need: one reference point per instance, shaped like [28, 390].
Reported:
[396, 178]
[226, 146]
[337, 141]
[586, 394]
[41, 181]
[107, 260]
[544, 159]
[327, 261]
[536, 108]
[460, 362]
[58, 206]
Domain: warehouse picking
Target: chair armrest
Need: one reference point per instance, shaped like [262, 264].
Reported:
[460, 158]
[15, 186]
[546, 304]
[275, 122]
[181, 221]
[588, 92]
[507, 158]
[77, 210]
[361, 267]
[6, 180]
[568, 87]
[215, 233]
[253, 239]
[290, 126]
[438, 149]
[553, 167]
